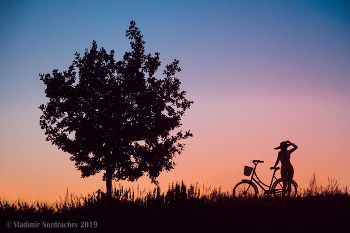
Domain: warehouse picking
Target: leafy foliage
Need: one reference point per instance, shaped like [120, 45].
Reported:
[116, 116]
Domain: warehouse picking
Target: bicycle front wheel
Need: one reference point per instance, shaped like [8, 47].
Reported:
[277, 188]
[245, 189]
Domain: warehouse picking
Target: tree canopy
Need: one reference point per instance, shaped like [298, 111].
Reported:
[116, 117]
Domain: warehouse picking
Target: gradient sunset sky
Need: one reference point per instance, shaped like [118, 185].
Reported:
[259, 72]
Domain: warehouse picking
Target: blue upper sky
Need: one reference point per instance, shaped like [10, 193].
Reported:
[212, 39]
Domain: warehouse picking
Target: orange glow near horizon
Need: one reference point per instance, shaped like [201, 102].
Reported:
[214, 157]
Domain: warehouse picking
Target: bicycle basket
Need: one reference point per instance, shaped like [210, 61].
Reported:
[247, 170]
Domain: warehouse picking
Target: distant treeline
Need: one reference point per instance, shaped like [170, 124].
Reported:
[184, 208]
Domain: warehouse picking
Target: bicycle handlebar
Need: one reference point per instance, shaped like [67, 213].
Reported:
[257, 161]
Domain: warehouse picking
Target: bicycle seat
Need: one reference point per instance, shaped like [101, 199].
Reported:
[275, 168]
[257, 161]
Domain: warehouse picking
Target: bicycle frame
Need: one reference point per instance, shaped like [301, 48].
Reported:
[259, 182]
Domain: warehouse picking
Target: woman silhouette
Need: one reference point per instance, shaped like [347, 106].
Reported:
[287, 170]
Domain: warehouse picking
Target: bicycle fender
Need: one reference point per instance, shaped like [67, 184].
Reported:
[246, 180]
[295, 183]
[278, 180]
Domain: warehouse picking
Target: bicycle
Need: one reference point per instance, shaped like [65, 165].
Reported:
[248, 188]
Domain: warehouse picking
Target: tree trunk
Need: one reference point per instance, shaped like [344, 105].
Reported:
[109, 186]
[109, 174]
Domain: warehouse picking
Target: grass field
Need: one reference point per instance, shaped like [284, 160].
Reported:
[183, 208]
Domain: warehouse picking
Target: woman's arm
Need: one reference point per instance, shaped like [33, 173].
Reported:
[292, 144]
[277, 161]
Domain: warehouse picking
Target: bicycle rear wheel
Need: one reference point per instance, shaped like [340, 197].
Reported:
[245, 189]
[277, 188]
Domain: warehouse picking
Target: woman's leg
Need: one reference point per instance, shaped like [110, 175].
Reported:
[290, 178]
[284, 176]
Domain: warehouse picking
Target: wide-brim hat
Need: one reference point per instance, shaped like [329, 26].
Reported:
[282, 145]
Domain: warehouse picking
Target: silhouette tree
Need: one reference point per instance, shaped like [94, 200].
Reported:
[116, 116]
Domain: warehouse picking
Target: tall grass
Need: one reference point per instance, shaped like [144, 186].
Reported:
[176, 193]
[332, 188]
[195, 206]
